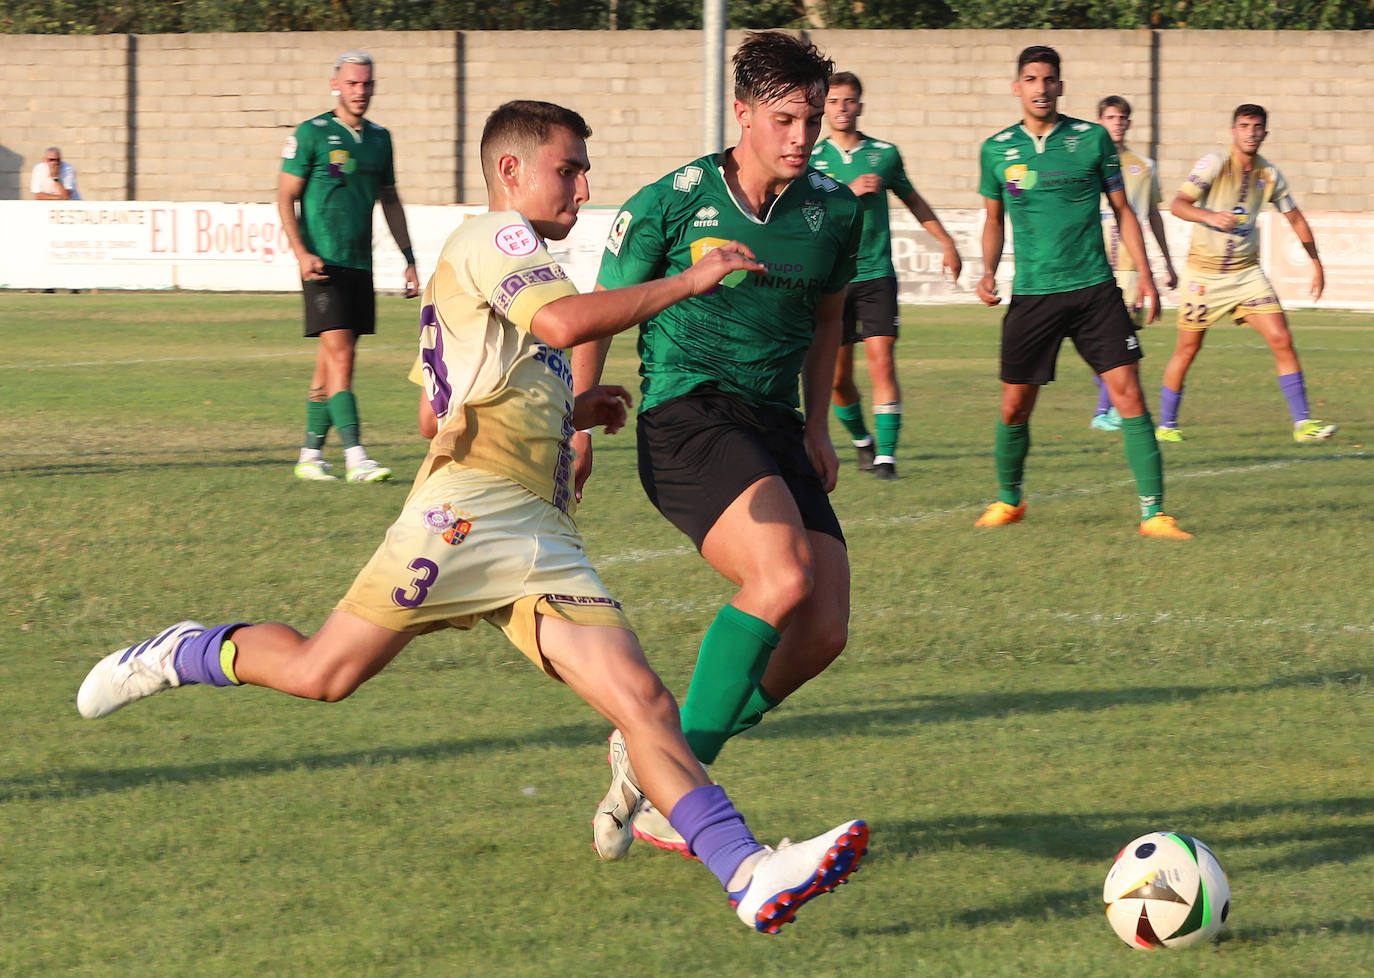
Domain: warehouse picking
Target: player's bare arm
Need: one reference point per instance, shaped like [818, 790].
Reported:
[426, 420]
[1134, 240]
[576, 319]
[950, 260]
[994, 236]
[290, 188]
[588, 360]
[1157, 229]
[818, 373]
[395, 216]
[1309, 243]
[1187, 210]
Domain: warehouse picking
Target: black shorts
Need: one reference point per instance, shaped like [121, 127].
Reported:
[699, 452]
[1095, 318]
[870, 309]
[346, 301]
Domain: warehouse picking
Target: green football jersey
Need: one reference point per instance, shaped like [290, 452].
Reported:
[751, 334]
[870, 156]
[1050, 188]
[344, 171]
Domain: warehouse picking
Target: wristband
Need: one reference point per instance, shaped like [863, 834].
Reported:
[585, 431]
[409, 255]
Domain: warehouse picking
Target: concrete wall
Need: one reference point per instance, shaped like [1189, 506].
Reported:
[210, 111]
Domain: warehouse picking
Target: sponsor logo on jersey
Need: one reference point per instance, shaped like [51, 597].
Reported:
[503, 296]
[687, 178]
[814, 212]
[288, 150]
[340, 163]
[454, 527]
[1020, 178]
[706, 218]
[819, 181]
[516, 240]
[702, 247]
[617, 236]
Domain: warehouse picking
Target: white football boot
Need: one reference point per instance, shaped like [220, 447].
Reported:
[787, 877]
[611, 834]
[133, 673]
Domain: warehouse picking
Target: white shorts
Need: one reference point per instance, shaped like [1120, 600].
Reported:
[470, 545]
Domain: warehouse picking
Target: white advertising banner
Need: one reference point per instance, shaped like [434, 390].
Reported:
[241, 248]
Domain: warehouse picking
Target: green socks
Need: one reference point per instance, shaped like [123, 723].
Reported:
[852, 417]
[1009, 452]
[343, 411]
[733, 655]
[887, 419]
[316, 424]
[1147, 465]
[759, 703]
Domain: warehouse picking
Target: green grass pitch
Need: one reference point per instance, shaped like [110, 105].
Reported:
[1014, 704]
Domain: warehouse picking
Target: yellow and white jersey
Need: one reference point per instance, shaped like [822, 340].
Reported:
[1219, 183]
[1142, 196]
[503, 399]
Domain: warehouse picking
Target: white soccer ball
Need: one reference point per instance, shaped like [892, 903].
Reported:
[1166, 890]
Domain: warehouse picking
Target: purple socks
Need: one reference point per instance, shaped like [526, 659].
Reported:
[714, 831]
[1295, 391]
[1168, 406]
[197, 659]
[1104, 400]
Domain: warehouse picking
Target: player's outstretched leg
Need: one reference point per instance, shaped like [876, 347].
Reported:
[181, 654]
[785, 878]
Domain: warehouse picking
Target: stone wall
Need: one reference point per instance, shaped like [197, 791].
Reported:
[203, 116]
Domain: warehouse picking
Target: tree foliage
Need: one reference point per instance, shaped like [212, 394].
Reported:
[179, 16]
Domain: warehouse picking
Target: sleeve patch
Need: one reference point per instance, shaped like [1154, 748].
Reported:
[516, 240]
[288, 150]
[617, 236]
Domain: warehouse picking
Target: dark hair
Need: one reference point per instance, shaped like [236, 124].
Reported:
[523, 125]
[1113, 102]
[1038, 54]
[769, 64]
[1251, 111]
[848, 79]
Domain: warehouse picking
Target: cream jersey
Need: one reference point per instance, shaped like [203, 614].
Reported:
[1219, 183]
[502, 398]
[1142, 196]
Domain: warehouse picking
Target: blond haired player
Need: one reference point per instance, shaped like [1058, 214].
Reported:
[1223, 196]
[487, 532]
[1141, 183]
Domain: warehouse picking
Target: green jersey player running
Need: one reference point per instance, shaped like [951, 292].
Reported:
[1047, 172]
[724, 451]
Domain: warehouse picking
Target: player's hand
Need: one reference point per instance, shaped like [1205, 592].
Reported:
[951, 262]
[603, 406]
[719, 262]
[1223, 221]
[869, 183]
[1318, 282]
[1148, 299]
[582, 464]
[987, 290]
[312, 267]
[412, 282]
[821, 451]
[1171, 278]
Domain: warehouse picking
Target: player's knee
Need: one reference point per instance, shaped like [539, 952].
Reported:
[327, 685]
[788, 584]
[645, 701]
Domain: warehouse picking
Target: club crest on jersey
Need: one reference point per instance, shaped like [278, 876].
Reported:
[452, 526]
[814, 212]
[706, 218]
[874, 159]
[687, 178]
[1071, 143]
[617, 235]
[702, 247]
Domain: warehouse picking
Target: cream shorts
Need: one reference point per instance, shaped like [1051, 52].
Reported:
[1204, 297]
[470, 545]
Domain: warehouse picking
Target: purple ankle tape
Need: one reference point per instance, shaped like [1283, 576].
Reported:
[197, 658]
[715, 832]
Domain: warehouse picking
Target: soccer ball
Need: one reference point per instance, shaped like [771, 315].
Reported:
[1166, 890]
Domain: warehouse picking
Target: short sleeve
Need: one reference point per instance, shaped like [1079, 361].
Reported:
[896, 179]
[1109, 165]
[847, 263]
[1201, 177]
[297, 150]
[637, 248]
[990, 183]
[510, 268]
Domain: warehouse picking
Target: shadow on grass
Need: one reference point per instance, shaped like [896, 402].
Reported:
[83, 782]
[165, 460]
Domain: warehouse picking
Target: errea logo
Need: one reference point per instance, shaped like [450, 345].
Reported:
[685, 179]
[1002, 137]
[1081, 127]
[706, 218]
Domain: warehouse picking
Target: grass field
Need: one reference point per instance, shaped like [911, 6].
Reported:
[1014, 705]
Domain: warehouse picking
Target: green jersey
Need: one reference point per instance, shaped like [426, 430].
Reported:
[870, 156]
[750, 335]
[1050, 188]
[344, 172]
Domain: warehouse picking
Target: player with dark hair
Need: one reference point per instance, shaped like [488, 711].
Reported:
[1139, 179]
[487, 531]
[336, 166]
[1047, 173]
[871, 168]
[1223, 196]
[725, 454]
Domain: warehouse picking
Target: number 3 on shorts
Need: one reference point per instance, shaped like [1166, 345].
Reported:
[418, 590]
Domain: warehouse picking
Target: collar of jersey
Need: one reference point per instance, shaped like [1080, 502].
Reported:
[720, 170]
[357, 134]
[848, 156]
[1042, 141]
